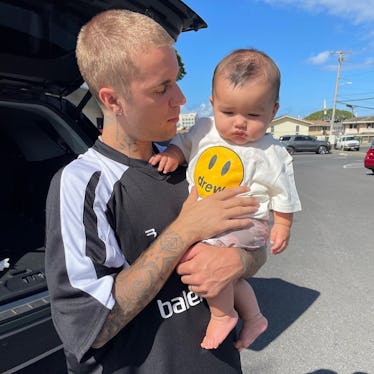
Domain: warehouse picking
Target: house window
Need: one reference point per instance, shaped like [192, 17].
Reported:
[297, 129]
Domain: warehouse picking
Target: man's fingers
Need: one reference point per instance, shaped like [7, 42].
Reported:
[242, 201]
[227, 193]
[220, 212]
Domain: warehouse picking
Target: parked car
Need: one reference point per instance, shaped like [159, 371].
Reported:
[41, 131]
[304, 143]
[369, 157]
[348, 142]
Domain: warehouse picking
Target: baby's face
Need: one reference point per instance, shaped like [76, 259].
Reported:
[243, 113]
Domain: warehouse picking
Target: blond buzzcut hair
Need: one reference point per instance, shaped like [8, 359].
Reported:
[108, 46]
[242, 65]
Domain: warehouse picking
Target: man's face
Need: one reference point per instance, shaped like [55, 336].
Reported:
[152, 110]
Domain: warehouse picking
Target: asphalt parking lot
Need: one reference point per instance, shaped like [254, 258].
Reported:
[318, 295]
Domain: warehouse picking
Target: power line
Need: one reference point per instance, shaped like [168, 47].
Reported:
[365, 99]
[355, 106]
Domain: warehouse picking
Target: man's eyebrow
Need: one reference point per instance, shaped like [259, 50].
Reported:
[158, 85]
[163, 83]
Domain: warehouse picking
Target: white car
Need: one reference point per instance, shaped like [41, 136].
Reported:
[348, 142]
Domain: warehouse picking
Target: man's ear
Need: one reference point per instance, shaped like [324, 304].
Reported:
[110, 100]
[211, 100]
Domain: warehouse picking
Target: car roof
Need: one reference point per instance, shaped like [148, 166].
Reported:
[38, 38]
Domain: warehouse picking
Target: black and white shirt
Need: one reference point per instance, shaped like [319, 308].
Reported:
[103, 210]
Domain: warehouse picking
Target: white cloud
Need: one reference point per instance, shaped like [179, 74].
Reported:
[205, 110]
[355, 11]
[369, 61]
[319, 59]
[359, 11]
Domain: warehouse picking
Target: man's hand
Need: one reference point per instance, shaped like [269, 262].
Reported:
[219, 212]
[208, 269]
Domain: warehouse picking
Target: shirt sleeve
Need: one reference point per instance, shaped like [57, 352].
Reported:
[184, 143]
[285, 197]
[81, 260]
[189, 140]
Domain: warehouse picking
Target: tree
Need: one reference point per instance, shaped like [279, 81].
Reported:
[340, 115]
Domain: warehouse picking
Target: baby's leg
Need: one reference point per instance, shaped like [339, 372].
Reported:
[222, 320]
[254, 323]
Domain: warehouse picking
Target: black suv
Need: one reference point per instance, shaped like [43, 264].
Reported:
[304, 143]
[41, 131]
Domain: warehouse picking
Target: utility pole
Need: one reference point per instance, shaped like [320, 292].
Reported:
[340, 61]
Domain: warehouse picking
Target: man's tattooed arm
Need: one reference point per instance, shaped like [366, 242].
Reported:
[136, 286]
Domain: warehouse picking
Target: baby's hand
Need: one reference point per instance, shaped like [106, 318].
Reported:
[165, 160]
[279, 237]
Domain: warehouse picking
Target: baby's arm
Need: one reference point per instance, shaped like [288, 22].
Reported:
[169, 159]
[280, 233]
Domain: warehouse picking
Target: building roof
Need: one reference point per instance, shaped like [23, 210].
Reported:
[291, 119]
[365, 119]
[281, 119]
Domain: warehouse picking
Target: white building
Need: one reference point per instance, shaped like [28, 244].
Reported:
[186, 121]
[287, 125]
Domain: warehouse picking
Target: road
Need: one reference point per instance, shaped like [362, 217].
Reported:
[318, 295]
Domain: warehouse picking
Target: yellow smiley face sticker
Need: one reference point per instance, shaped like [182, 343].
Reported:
[216, 169]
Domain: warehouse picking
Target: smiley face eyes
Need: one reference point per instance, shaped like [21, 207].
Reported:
[212, 162]
[225, 168]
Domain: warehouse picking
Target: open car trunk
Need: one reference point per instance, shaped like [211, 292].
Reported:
[34, 144]
[35, 141]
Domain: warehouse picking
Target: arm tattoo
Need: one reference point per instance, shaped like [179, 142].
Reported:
[136, 286]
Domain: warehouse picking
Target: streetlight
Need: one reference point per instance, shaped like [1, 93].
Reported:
[352, 108]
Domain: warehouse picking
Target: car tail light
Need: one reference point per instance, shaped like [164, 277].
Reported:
[370, 153]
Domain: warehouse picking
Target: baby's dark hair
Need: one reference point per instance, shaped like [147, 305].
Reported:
[242, 65]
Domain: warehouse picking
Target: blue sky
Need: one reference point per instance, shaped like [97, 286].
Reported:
[299, 35]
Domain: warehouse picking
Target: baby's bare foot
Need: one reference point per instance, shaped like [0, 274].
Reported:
[251, 330]
[218, 329]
